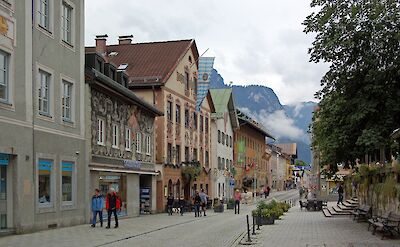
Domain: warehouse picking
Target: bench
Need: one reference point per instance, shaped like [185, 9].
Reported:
[362, 213]
[389, 226]
[378, 219]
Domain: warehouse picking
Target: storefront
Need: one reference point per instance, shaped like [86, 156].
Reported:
[5, 191]
[134, 182]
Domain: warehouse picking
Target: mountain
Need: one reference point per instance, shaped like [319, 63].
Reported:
[287, 123]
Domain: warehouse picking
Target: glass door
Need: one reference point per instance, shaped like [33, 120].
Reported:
[3, 196]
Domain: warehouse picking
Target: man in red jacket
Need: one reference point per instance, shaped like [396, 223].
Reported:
[113, 203]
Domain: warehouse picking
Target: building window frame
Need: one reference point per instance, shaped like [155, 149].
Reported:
[128, 139]
[100, 131]
[67, 23]
[178, 114]
[67, 100]
[6, 76]
[68, 163]
[206, 124]
[138, 142]
[187, 118]
[169, 111]
[115, 136]
[45, 17]
[178, 154]
[45, 83]
[45, 162]
[148, 145]
[219, 136]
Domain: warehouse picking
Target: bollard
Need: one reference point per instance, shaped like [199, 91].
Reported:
[259, 219]
[248, 229]
[254, 226]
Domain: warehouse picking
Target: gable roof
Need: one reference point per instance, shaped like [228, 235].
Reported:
[223, 102]
[150, 63]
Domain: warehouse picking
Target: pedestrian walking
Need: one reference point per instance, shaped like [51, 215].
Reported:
[170, 203]
[181, 205]
[97, 207]
[203, 197]
[268, 190]
[238, 198]
[197, 202]
[113, 204]
[340, 192]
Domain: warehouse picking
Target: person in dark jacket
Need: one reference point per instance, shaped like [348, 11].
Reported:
[113, 203]
[340, 192]
[97, 207]
[197, 202]
[170, 203]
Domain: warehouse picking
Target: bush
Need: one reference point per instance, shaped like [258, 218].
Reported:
[274, 208]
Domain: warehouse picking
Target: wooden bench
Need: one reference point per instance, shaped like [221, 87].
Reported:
[362, 213]
[389, 226]
[375, 219]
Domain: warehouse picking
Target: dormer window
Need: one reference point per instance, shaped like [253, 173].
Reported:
[113, 74]
[98, 65]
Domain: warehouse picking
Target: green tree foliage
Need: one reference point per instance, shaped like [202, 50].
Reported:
[300, 163]
[360, 95]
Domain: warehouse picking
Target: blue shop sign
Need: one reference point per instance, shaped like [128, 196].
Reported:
[45, 165]
[67, 166]
[4, 159]
[132, 164]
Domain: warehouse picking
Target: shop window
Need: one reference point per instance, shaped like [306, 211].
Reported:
[115, 135]
[138, 142]
[148, 145]
[128, 142]
[67, 169]
[45, 168]
[100, 131]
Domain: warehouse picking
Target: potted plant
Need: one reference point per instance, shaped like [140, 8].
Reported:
[230, 204]
[264, 216]
[218, 207]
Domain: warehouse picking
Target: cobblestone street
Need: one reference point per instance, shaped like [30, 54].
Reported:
[297, 228]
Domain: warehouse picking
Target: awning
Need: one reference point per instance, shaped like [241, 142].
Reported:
[123, 171]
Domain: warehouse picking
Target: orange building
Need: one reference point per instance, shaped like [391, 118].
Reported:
[250, 157]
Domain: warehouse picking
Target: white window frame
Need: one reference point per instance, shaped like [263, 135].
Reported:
[66, 4]
[41, 95]
[46, 28]
[64, 98]
[100, 131]
[138, 142]
[6, 71]
[115, 136]
[128, 139]
[46, 207]
[69, 204]
[148, 145]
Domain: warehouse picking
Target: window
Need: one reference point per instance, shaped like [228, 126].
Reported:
[223, 138]
[44, 180]
[223, 164]
[66, 101]
[44, 14]
[44, 93]
[195, 120]
[201, 124]
[4, 75]
[169, 111]
[169, 153]
[187, 118]
[178, 114]
[186, 81]
[230, 141]
[206, 119]
[67, 169]
[206, 159]
[186, 154]
[115, 136]
[66, 20]
[178, 154]
[227, 140]
[195, 84]
[113, 74]
[100, 131]
[219, 163]
[195, 154]
[219, 136]
[128, 142]
[138, 142]
[148, 145]
[98, 65]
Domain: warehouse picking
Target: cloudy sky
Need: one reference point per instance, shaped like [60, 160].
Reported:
[254, 41]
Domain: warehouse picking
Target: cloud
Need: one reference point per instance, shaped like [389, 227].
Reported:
[256, 41]
[256, 96]
[277, 123]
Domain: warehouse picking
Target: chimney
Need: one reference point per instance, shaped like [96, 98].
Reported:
[101, 44]
[125, 39]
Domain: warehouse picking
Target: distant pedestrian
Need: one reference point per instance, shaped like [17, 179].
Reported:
[340, 192]
[170, 203]
[181, 205]
[203, 197]
[97, 207]
[268, 190]
[197, 202]
[238, 198]
[113, 203]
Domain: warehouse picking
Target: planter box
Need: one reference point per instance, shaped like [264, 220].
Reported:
[219, 209]
[265, 220]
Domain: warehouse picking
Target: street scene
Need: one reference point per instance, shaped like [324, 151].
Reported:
[201, 123]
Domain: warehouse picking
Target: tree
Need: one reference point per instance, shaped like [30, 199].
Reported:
[300, 163]
[360, 95]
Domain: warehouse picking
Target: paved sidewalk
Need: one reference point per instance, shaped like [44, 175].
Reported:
[302, 228]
